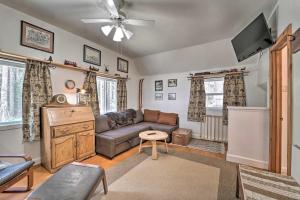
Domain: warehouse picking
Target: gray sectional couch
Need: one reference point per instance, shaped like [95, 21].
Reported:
[118, 132]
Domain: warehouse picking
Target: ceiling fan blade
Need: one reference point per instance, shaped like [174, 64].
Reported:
[112, 8]
[91, 21]
[139, 22]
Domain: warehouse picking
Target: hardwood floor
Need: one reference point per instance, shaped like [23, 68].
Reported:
[41, 174]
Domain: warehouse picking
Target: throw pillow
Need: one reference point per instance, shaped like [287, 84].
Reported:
[102, 124]
[167, 118]
[151, 115]
[139, 117]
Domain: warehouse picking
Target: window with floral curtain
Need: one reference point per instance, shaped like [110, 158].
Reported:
[37, 91]
[197, 108]
[90, 85]
[234, 93]
[121, 94]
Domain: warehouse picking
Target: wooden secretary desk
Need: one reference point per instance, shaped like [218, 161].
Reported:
[68, 134]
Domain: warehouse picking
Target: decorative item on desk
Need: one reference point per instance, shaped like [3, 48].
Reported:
[93, 68]
[243, 69]
[68, 62]
[82, 96]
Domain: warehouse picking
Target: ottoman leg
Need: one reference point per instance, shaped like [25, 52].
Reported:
[105, 184]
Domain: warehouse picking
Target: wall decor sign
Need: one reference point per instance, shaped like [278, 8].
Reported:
[36, 37]
[159, 85]
[172, 82]
[91, 55]
[159, 96]
[171, 96]
[122, 65]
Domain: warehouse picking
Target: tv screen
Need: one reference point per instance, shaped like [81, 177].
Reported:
[253, 39]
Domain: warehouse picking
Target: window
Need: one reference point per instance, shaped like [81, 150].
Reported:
[11, 85]
[107, 94]
[214, 93]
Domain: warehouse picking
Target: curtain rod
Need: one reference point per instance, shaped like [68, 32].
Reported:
[17, 57]
[217, 75]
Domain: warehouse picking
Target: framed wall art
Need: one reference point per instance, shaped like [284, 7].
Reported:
[159, 85]
[159, 96]
[171, 96]
[36, 37]
[91, 55]
[172, 82]
[122, 65]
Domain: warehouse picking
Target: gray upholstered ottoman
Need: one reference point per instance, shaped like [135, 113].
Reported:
[76, 181]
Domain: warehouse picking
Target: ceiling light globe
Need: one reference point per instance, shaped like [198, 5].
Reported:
[106, 29]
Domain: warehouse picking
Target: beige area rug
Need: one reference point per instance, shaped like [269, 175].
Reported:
[176, 175]
[169, 177]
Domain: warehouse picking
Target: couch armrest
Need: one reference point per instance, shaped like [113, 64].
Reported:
[24, 156]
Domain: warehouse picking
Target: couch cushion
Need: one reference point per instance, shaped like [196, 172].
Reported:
[125, 133]
[139, 117]
[102, 123]
[151, 115]
[167, 118]
[160, 127]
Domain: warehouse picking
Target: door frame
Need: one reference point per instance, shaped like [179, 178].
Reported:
[275, 97]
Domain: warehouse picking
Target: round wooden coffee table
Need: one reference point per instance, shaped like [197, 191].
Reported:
[153, 136]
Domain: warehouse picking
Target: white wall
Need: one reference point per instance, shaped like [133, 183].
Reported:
[195, 58]
[67, 46]
[248, 136]
[256, 96]
[289, 13]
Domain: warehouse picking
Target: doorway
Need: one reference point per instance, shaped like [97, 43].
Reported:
[280, 104]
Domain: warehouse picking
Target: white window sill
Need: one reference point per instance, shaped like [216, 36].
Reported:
[10, 126]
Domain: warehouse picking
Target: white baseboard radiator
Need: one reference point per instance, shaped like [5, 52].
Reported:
[212, 129]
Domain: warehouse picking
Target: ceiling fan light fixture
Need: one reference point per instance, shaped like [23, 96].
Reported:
[106, 29]
[127, 33]
[118, 34]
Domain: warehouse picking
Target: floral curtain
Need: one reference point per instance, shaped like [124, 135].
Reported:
[37, 91]
[90, 85]
[197, 110]
[234, 93]
[121, 95]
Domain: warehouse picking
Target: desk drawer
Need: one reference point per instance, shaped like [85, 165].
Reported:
[72, 128]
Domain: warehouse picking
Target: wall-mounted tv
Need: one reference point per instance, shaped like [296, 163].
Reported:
[253, 39]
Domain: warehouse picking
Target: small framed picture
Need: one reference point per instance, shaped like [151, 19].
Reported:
[159, 96]
[171, 96]
[122, 65]
[36, 37]
[84, 99]
[172, 83]
[159, 85]
[91, 55]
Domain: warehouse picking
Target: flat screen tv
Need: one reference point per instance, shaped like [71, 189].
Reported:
[253, 39]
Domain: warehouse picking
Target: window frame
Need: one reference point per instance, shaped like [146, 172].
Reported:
[213, 94]
[106, 80]
[10, 125]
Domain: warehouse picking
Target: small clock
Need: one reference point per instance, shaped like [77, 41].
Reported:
[59, 99]
[70, 84]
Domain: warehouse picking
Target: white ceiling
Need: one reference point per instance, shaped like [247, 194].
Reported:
[179, 23]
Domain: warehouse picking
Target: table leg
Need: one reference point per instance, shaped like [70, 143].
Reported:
[140, 149]
[154, 150]
[166, 145]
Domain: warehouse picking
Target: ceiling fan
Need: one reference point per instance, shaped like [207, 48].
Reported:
[118, 21]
